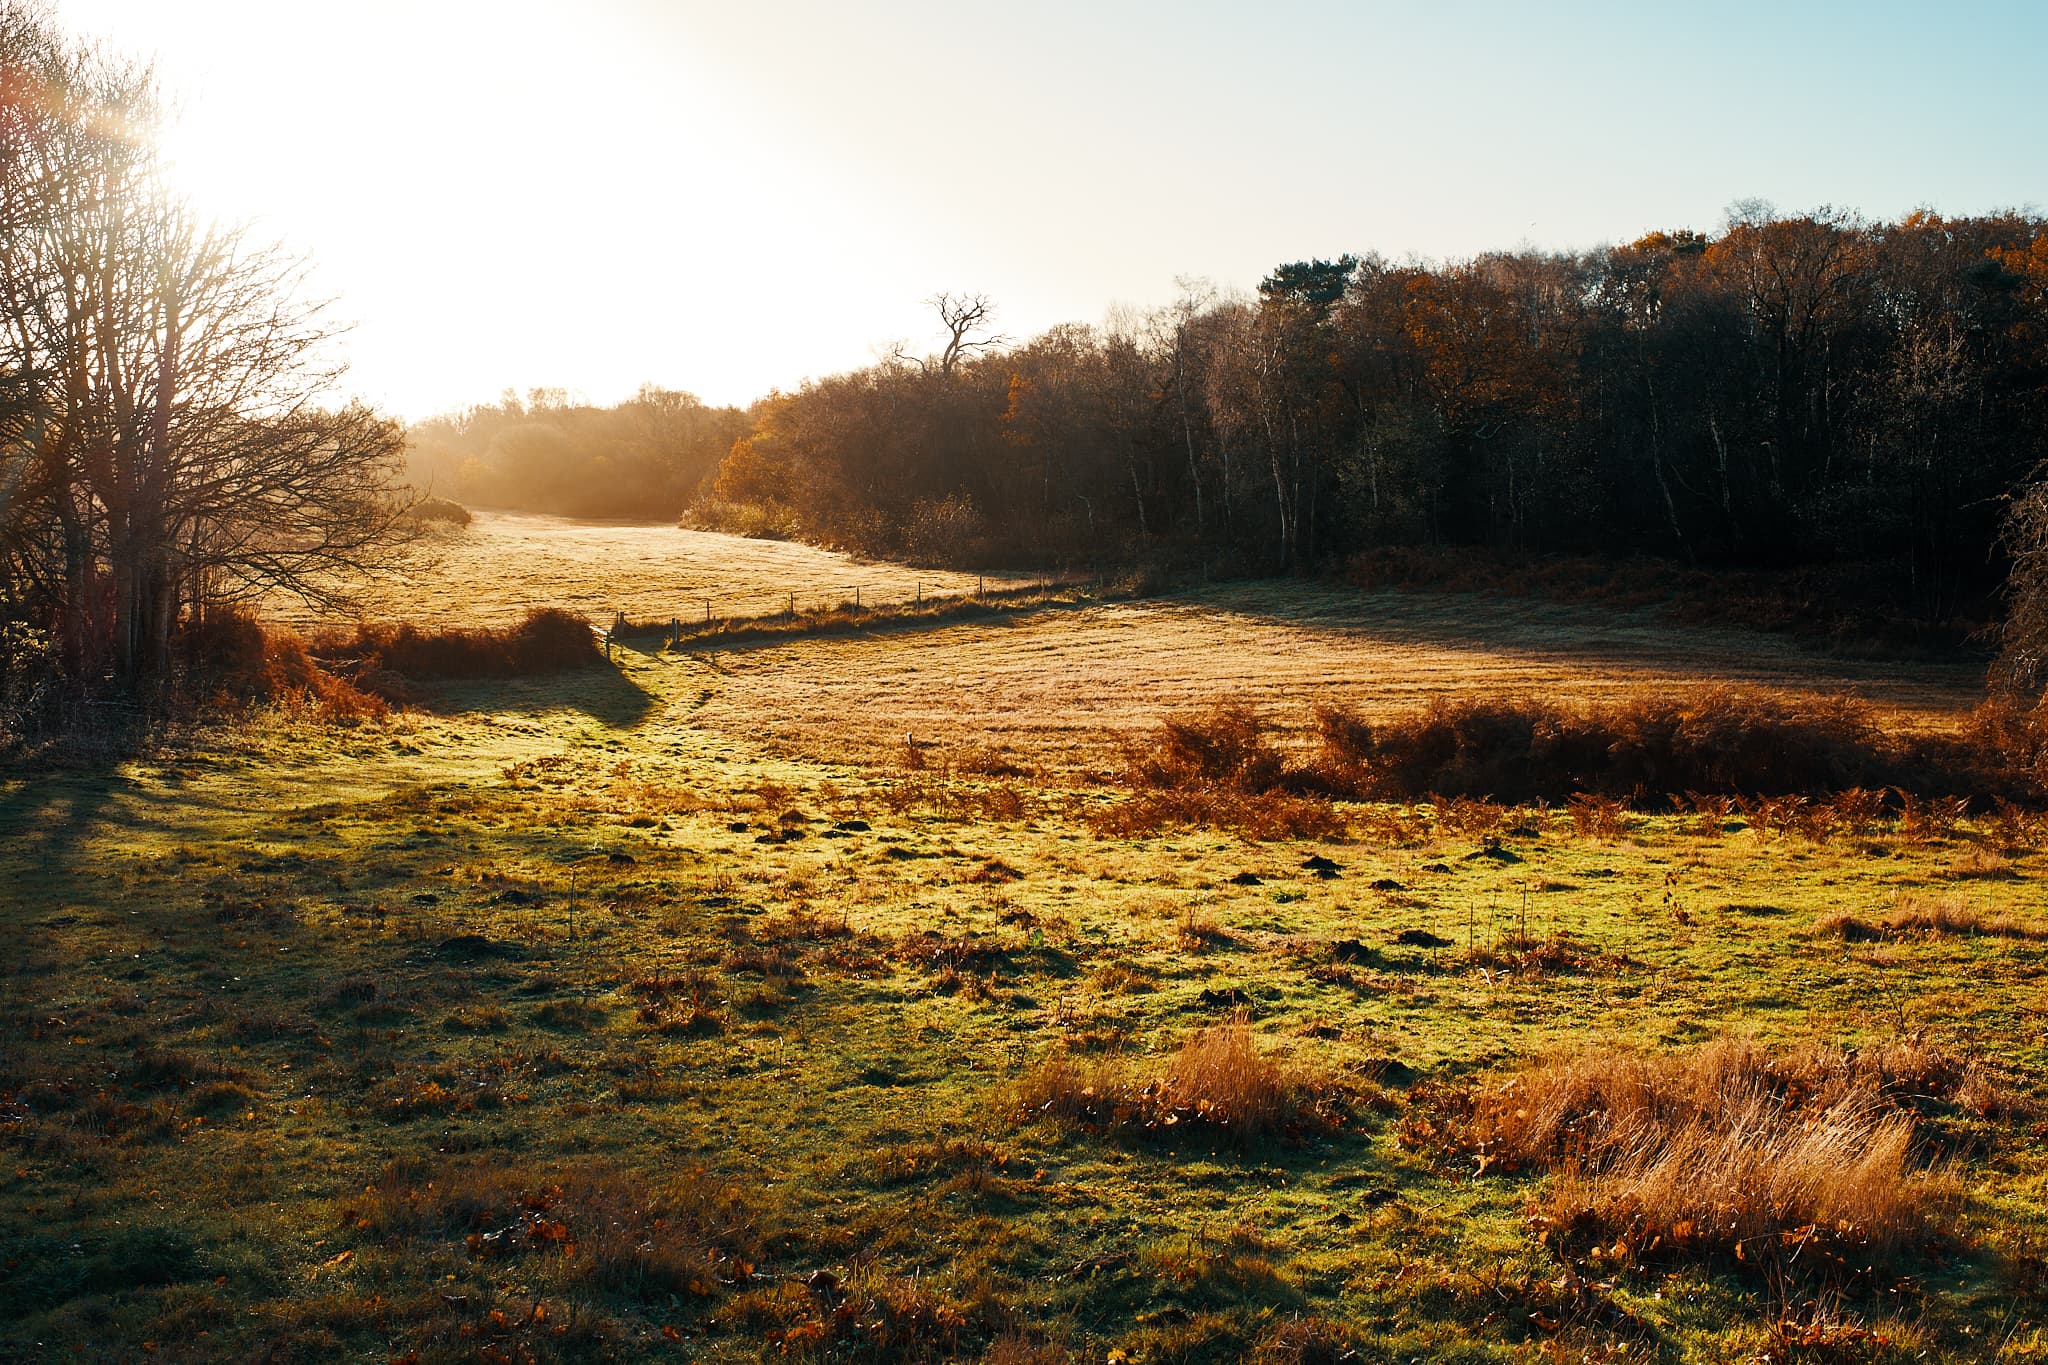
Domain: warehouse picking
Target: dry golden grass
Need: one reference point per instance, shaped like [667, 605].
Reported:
[1727, 1148]
[1259, 816]
[1219, 1083]
[1983, 864]
[1060, 690]
[1951, 915]
[506, 563]
[1749, 1175]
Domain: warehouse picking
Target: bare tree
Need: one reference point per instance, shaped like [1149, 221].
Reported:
[960, 315]
[163, 426]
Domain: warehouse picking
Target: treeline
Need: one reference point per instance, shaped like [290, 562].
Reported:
[1792, 390]
[650, 456]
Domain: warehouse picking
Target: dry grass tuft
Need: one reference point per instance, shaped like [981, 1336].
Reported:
[873, 1315]
[1725, 1149]
[1848, 928]
[1218, 1084]
[1258, 816]
[693, 1002]
[591, 1228]
[1983, 864]
[1951, 916]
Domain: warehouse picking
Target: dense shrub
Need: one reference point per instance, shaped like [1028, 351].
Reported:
[235, 658]
[30, 680]
[1643, 750]
[433, 511]
[1720, 740]
[549, 640]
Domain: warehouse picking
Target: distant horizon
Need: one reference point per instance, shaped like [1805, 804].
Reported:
[731, 203]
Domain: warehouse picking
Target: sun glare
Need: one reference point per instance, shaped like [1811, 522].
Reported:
[586, 206]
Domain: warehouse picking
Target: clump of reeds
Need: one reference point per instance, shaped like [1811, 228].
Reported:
[1219, 1084]
[1728, 1148]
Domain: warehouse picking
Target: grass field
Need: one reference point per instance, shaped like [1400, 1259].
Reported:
[666, 1011]
[505, 563]
[1059, 688]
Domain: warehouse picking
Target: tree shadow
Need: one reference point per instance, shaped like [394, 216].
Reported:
[55, 811]
[48, 817]
[603, 693]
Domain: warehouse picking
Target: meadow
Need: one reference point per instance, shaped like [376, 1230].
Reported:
[817, 999]
[504, 564]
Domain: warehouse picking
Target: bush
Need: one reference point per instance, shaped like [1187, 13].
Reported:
[1217, 769]
[433, 511]
[1719, 741]
[549, 640]
[30, 680]
[1224, 747]
[237, 659]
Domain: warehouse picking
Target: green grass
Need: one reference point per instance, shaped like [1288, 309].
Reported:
[548, 1025]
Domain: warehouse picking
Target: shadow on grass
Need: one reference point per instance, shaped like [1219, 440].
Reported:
[48, 817]
[1620, 642]
[603, 693]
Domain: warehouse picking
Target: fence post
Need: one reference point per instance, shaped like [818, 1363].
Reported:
[920, 592]
[707, 611]
[856, 597]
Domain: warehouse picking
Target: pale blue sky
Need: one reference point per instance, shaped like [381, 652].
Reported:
[727, 197]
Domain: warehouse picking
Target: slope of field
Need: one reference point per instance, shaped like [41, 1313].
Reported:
[505, 563]
[664, 1010]
[1058, 687]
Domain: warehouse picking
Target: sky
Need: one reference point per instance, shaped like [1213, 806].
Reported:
[729, 197]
